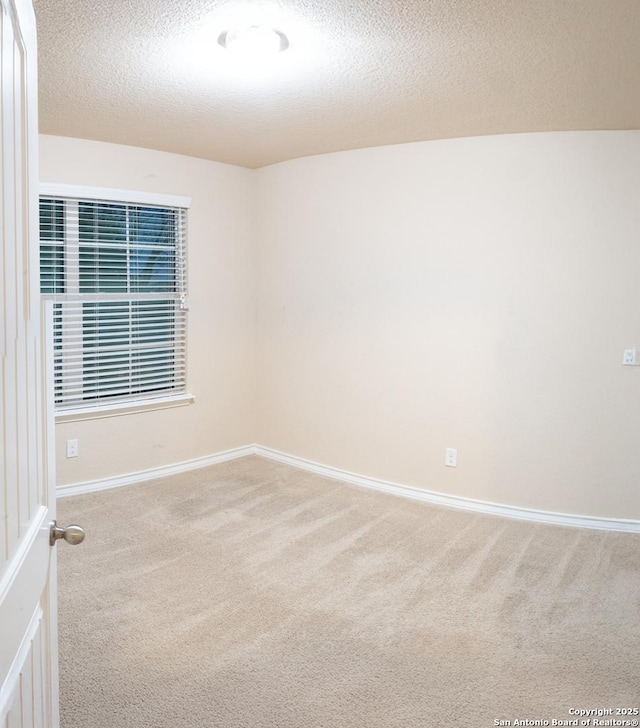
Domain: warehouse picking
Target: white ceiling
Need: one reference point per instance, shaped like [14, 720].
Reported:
[358, 73]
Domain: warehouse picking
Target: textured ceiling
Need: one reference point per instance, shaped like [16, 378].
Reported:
[358, 73]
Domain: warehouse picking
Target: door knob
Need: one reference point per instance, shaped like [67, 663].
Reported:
[72, 534]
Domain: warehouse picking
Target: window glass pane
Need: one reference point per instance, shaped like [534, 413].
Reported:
[103, 259]
[152, 226]
[57, 351]
[105, 375]
[127, 347]
[106, 324]
[51, 220]
[101, 222]
[152, 271]
[152, 372]
[153, 322]
[103, 270]
[51, 246]
[51, 269]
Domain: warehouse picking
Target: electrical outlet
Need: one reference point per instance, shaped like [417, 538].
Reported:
[630, 358]
[72, 448]
[451, 457]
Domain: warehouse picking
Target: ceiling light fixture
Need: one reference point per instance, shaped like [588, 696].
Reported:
[254, 40]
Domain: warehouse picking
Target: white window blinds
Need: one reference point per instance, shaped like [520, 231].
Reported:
[117, 275]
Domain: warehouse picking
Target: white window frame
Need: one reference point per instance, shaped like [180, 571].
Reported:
[128, 197]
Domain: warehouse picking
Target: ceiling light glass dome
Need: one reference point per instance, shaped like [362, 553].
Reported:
[254, 40]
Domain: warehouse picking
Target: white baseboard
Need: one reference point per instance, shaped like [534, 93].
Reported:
[406, 491]
[141, 476]
[452, 501]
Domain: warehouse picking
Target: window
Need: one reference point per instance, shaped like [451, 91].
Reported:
[116, 272]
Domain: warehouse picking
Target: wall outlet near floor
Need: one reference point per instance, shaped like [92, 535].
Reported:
[451, 457]
[72, 448]
[631, 358]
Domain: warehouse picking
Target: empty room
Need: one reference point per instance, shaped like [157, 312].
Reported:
[321, 364]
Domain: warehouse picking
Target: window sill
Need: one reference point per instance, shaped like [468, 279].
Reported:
[123, 408]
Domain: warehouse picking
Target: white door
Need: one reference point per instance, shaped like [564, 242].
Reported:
[28, 654]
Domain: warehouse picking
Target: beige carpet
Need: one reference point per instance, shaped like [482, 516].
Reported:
[252, 594]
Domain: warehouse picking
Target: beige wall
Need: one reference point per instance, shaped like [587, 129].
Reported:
[221, 318]
[472, 293]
